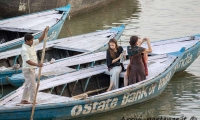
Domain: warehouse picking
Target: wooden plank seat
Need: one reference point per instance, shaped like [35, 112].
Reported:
[160, 64]
[71, 77]
[58, 71]
[15, 52]
[33, 23]
[73, 61]
[168, 47]
[86, 59]
[154, 71]
[87, 44]
[59, 80]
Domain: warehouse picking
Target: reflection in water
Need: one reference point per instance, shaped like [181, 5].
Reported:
[100, 18]
[185, 89]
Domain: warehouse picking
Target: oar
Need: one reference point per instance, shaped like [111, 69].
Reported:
[39, 74]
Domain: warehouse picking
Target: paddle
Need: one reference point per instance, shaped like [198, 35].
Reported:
[39, 74]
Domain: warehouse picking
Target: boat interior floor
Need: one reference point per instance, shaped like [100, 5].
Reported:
[42, 98]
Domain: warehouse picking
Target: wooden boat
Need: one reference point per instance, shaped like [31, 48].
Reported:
[12, 30]
[62, 97]
[59, 50]
[56, 69]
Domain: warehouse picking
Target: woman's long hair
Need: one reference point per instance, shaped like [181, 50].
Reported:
[133, 40]
[112, 52]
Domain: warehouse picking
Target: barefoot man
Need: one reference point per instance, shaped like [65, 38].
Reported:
[29, 64]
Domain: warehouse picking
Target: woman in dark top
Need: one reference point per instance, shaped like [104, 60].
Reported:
[113, 55]
[137, 68]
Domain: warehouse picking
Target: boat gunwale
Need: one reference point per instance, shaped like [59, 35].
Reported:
[112, 94]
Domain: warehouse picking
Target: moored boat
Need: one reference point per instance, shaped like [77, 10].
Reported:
[171, 45]
[69, 99]
[61, 49]
[12, 30]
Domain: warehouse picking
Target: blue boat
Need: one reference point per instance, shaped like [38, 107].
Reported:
[62, 97]
[60, 49]
[12, 30]
[90, 60]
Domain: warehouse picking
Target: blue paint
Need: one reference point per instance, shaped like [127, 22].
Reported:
[15, 59]
[56, 28]
[18, 80]
[98, 104]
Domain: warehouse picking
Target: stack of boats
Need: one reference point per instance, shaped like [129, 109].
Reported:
[74, 84]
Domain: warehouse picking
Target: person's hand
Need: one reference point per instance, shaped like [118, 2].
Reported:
[46, 29]
[124, 52]
[40, 65]
[145, 39]
[121, 55]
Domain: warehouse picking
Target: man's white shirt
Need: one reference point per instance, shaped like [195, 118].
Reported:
[29, 53]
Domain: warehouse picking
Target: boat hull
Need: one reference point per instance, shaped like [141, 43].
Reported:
[52, 33]
[6, 76]
[127, 96]
[130, 95]
[188, 58]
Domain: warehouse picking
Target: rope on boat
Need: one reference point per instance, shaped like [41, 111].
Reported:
[66, 26]
[67, 29]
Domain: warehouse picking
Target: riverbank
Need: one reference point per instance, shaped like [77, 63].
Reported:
[10, 8]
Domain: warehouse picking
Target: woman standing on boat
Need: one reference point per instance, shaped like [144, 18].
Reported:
[113, 55]
[137, 68]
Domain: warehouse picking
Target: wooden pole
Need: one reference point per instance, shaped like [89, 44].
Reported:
[84, 95]
[39, 75]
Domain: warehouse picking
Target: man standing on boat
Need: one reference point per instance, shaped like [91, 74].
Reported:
[29, 65]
